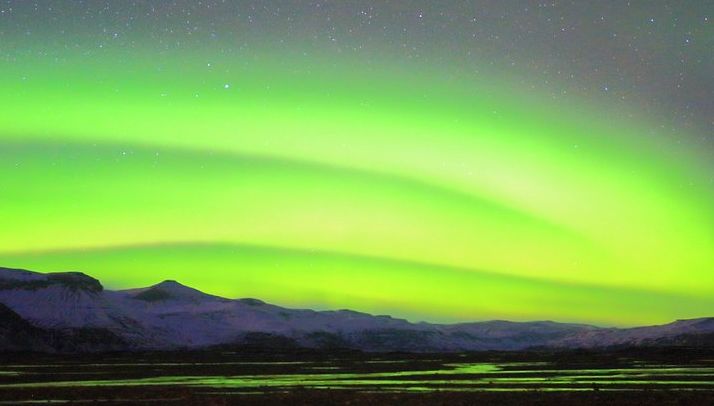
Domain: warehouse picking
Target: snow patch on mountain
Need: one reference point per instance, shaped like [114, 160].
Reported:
[171, 315]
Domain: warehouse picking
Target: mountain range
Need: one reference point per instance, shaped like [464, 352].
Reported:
[72, 312]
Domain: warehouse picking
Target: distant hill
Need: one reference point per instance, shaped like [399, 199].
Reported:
[72, 312]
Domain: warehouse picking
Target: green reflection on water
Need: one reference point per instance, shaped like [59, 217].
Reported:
[450, 377]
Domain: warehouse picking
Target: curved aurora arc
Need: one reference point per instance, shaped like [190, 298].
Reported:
[334, 188]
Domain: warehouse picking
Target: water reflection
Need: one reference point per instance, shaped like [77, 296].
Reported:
[334, 375]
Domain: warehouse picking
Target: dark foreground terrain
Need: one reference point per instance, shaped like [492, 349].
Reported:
[264, 377]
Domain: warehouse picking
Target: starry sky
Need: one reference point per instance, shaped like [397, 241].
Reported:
[440, 161]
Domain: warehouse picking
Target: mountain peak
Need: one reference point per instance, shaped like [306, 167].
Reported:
[27, 280]
[170, 290]
[702, 323]
[75, 280]
[19, 274]
[171, 284]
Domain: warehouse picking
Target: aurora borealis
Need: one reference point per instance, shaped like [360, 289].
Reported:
[221, 146]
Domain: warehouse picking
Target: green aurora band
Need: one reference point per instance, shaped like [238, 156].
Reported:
[328, 186]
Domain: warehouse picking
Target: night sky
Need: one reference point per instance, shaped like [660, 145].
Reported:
[440, 161]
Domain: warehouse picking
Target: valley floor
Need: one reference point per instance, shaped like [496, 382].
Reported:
[250, 376]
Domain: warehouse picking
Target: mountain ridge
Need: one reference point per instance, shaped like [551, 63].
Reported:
[170, 315]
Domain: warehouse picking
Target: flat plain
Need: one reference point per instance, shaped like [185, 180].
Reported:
[268, 376]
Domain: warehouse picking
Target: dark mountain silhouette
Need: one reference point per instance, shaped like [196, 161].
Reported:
[72, 312]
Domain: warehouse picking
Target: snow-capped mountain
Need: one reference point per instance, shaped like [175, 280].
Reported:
[71, 311]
